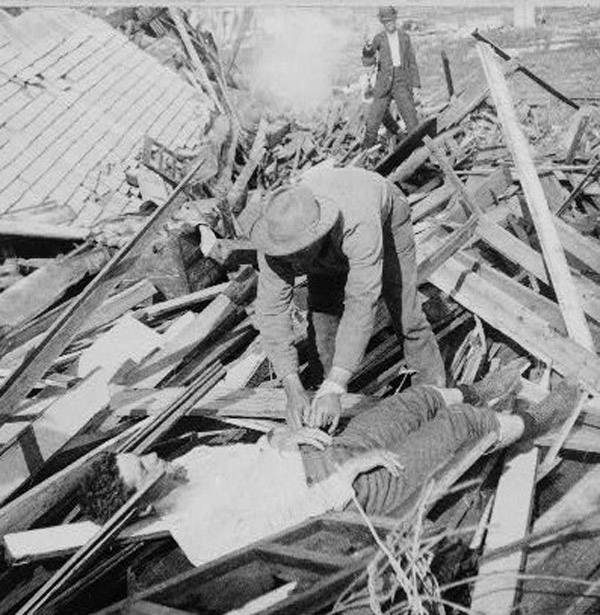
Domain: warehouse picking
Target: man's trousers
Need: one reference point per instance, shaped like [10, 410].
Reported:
[401, 92]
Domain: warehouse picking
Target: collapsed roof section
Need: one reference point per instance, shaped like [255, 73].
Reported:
[76, 100]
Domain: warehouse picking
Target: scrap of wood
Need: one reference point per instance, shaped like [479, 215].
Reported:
[575, 132]
[455, 241]
[591, 174]
[64, 329]
[199, 70]
[268, 403]
[257, 152]
[532, 261]
[220, 311]
[181, 303]
[496, 587]
[523, 69]
[447, 73]
[432, 202]
[581, 250]
[538, 205]
[559, 440]
[22, 512]
[72, 567]
[36, 292]
[39, 230]
[60, 540]
[417, 158]
[69, 413]
[21, 342]
[522, 324]
[24, 457]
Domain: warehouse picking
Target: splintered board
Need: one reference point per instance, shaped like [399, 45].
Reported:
[266, 403]
[320, 557]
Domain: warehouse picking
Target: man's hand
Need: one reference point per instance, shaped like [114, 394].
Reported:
[284, 438]
[297, 404]
[325, 410]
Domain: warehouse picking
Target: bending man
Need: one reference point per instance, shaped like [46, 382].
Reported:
[349, 231]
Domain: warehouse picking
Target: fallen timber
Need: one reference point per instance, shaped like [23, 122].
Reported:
[476, 245]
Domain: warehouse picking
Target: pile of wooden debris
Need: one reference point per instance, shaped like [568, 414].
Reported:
[144, 340]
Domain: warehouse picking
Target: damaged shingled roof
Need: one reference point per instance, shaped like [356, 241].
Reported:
[76, 100]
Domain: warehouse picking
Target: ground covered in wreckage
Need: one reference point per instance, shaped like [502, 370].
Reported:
[188, 306]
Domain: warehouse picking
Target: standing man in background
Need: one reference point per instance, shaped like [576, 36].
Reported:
[397, 74]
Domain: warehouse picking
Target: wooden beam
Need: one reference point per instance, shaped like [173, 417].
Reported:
[523, 325]
[39, 230]
[538, 205]
[64, 329]
[495, 589]
[36, 292]
[181, 303]
[20, 513]
[77, 562]
[523, 255]
[25, 454]
[199, 69]
[523, 69]
[447, 73]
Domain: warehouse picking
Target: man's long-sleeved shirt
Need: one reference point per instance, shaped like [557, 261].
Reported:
[355, 246]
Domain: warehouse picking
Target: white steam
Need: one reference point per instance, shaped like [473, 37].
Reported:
[298, 56]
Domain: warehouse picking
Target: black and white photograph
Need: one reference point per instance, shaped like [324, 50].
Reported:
[300, 307]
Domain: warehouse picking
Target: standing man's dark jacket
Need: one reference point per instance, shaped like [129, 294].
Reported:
[379, 52]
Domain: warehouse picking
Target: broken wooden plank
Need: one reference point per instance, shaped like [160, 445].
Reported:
[68, 414]
[455, 241]
[220, 311]
[199, 70]
[432, 202]
[64, 329]
[76, 563]
[39, 230]
[538, 206]
[60, 540]
[521, 254]
[181, 303]
[574, 134]
[36, 292]
[447, 73]
[560, 438]
[22, 512]
[495, 589]
[523, 325]
[523, 69]
[417, 158]
[18, 345]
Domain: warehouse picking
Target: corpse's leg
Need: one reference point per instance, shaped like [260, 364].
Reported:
[375, 115]
[425, 451]
[400, 293]
[325, 308]
[405, 102]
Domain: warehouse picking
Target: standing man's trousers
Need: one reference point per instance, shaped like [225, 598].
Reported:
[402, 93]
[399, 289]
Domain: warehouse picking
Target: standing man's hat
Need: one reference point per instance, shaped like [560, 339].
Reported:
[387, 13]
[292, 219]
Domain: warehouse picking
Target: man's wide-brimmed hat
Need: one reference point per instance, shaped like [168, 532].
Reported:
[292, 219]
[387, 13]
